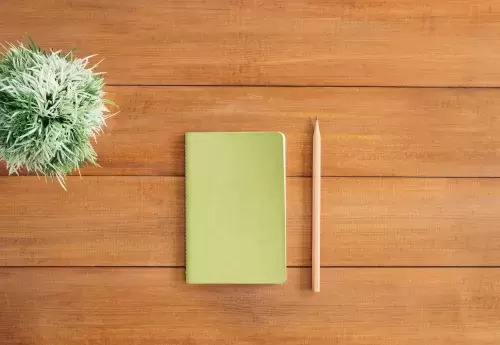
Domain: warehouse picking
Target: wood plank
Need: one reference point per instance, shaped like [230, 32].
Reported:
[121, 221]
[154, 306]
[99, 221]
[410, 222]
[366, 131]
[294, 42]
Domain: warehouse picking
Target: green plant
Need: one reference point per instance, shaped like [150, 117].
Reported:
[51, 104]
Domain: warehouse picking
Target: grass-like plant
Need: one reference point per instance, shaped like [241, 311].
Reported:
[51, 105]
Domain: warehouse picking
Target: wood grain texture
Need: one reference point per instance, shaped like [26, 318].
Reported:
[121, 221]
[294, 42]
[416, 133]
[365, 131]
[131, 306]
[99, 221]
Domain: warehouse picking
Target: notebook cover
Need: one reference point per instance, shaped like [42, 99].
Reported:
[235, 208]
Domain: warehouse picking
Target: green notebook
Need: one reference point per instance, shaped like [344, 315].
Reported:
[235, 208]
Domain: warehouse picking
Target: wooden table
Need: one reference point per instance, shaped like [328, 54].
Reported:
[406, 93]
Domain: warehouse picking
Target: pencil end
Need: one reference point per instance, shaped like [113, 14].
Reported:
[316, 287]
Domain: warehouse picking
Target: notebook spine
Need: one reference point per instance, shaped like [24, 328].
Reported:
[186, 174]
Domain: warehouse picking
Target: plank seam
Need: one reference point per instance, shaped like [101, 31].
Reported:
[293, 267]
[308, 86]
[288, 177]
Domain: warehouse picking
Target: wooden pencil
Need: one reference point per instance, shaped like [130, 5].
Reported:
[316, 208]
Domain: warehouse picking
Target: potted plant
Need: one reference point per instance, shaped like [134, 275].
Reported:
[51, 106]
